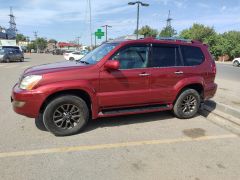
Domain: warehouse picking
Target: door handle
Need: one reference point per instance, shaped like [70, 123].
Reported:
[144, 74]
[178, 72]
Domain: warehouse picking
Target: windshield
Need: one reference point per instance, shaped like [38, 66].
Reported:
[97, 54]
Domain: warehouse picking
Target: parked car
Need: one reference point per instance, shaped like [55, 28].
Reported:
[118, 78]
[8, 55]
[57, 52]
[236, 62]
[76, 55]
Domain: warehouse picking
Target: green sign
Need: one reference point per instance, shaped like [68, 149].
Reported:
[99, 34]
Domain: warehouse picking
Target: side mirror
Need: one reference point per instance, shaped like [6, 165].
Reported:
[112, 65]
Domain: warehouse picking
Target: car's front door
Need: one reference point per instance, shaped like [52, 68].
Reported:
[130, 84]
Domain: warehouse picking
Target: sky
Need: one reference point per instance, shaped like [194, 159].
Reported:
[64, 20]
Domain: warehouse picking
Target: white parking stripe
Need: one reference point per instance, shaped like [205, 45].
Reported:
[11, 66]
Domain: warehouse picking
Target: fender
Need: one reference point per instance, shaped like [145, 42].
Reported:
[188, 81]
[84, 85]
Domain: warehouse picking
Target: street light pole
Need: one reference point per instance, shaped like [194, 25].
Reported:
[106, 31]
[138, 7]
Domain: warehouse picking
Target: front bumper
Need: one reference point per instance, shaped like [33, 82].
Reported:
[27, 103]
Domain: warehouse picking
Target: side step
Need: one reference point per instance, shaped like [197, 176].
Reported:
[132, 110]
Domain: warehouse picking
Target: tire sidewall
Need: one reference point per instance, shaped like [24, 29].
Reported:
[177, 106]
[54, 104]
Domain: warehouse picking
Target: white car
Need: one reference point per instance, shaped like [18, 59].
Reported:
[73, 56]
[236, 62]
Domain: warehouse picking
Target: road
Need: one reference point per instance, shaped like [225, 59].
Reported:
[146, 146]
[228, 72]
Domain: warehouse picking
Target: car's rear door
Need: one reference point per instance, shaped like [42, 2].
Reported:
[166, 72]
[130, 84]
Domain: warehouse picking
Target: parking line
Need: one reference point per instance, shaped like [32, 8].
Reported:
[111, 146]
[11, 66]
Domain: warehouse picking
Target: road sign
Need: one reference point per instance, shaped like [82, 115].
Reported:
[99, 34]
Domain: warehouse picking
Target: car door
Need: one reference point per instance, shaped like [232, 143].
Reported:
[166, 65]
[12, 54]
[130, 84]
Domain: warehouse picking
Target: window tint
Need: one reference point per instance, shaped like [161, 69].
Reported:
[132, 57]
[164, 56]
[192, 55]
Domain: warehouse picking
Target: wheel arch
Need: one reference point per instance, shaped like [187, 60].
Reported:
[196, 86]
[76, 92]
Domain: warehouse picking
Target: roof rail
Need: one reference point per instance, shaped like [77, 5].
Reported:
[174, 39]
[179, 39]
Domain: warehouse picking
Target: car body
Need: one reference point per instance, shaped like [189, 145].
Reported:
[236, 62]
[76, 55]
[8, 55]
[118, 78]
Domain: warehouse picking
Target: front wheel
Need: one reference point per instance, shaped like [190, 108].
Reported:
[187, 104]
[22, 59]
[71, 59]
[66, 115]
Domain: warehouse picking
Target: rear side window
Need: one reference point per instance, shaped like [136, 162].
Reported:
[192, 56]
[165, 56]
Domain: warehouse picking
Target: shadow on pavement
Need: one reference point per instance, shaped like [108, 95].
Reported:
[207, 108]
[119, 120]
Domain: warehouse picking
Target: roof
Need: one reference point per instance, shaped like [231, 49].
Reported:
[167, 40]
[64, 44]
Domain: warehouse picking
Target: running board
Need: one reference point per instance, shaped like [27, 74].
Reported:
[133, 110]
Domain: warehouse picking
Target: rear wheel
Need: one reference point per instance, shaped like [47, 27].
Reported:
[66, 115]
[187, 104]
[236, 63]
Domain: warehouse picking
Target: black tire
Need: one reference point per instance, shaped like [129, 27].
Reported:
[64, 108]
[236, 63]
[22, 59]
[187, 104]
[71, 59]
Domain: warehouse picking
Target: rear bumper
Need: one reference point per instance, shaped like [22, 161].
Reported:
[210, 91]
[27, 103]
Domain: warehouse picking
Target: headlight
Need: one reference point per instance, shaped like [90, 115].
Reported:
[29, 82]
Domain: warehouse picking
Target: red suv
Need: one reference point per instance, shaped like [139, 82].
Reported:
[118, 78]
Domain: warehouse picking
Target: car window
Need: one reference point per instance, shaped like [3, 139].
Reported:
[192, 56]
[77, 53]
[165, 56]
[132, 57]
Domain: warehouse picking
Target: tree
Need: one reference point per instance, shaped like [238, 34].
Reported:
[147, 31]
[198, 32]
[20, 37]
[41, 43]
[168, 31]
[52, 41]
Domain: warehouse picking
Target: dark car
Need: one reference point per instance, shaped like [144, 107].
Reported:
[8, 55]
[118, 78]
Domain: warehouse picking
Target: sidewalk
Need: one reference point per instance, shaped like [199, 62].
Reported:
[226, 101]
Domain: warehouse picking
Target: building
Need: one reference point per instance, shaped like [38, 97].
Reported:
[68, 46]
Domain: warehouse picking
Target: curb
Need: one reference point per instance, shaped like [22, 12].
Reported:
[223, 110]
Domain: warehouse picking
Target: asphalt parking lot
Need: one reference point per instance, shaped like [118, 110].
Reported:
[146, 146]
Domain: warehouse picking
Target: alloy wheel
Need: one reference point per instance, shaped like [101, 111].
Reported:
[66, 116]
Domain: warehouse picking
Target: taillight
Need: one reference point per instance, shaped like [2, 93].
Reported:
[214, 68]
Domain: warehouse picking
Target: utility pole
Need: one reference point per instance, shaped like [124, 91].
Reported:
[169, 19]
[138, 6]
[90, 21]
[36, 36]
[12, 24]
[106, 31]
[78, 38]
